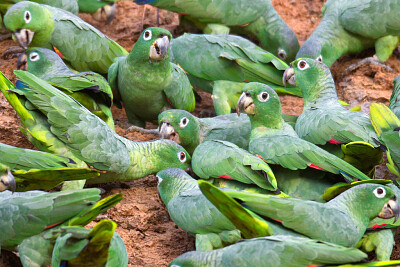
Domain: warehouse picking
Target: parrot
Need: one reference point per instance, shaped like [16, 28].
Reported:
[342, 220]
[90, 89]
[189, 131]
[26, 169]
[272, 251]
[394, 104]
[258, 18]
[82, 45]
[25, 214]
[216, 158]
[67, 5]
[276, 141]
[353, 26]
[325, 120]
[382, 241]
[96, 7]
[387, 126]
[227, 58]
[147, 82]
[91, 140]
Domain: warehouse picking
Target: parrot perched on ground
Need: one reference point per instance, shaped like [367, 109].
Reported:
[272, 251]
[91, 140]
[325, 120]
[82, 45]
[31, 170]
[96, 7]
[216, 158]
[147, 82]
[276, 141]
[189, 131]
[342, 220]
[89, 88]
[258, 18]
[215, 61]
[394, 104]
[353, 26]
[387, 126]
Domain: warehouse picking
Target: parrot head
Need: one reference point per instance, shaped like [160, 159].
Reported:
[170, 155]
[173, 181]
[39, 60]
[312, 48]
[153, 45]
[262, 104]
[26, 19]
[180, 126]
[7, 181]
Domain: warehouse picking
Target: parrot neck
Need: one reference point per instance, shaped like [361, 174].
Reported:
[261, 131]
[42, 38]
[321, 93]
[171, 187]
[267, 119]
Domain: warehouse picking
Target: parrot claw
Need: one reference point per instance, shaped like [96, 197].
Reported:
[12, 52]
[133, 128]
[366, 61]
[6, 36]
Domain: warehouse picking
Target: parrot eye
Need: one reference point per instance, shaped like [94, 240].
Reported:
[380, 192]
[147, 35]
[319, 58]
[184, 121]
[34, 56]
[27, 16]
[263, 96]
[302, 65]
[182, 156]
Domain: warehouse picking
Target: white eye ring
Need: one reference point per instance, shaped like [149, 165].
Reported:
[380, 192]
[27, 16]
[34, 56]
[184, 121]
[147, 35]
[182, 156]
[319, 58]
[302, 65]
[263, 96]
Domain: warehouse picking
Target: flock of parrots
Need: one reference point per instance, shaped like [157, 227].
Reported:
[269, 189]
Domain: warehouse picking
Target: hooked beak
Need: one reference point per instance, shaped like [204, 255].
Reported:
[22, 60]
[24, 37]
[288, 76]
[390, 209]
[109, 10]
[167, 131]
[7, 182]
[159, 49]
[245, 104]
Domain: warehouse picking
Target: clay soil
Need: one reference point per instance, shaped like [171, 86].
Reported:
[151, 237]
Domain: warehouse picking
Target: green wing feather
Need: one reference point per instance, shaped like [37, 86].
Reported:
[394, 104]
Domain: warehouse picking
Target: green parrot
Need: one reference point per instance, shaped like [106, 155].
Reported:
[91, 140]
[82, 45]
[387, 126]
[96, 7]
[223, 63]
[353, 26]
[258, 18]
[26, 169]
[325, 120]
[25, 214]
[216, 158]
[272, 251]
[394, 104]
[276, 141]
[88, 88]
[147, 82]
[67, 5]
[189, 131]
[342, 220]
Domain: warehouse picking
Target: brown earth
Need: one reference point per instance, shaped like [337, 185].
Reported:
[150, 236]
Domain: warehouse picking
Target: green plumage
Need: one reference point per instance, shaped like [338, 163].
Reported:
[147, 82]
[68, 5]
[394, 104]
[91, 6]
[83, 46]
[353, 26]
[382, 241]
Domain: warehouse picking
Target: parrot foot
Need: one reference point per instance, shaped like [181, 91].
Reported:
[14, 51]
[366, 61]
[135, 128]
[5, 36]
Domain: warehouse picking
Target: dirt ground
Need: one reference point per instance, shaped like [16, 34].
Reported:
[150, 236]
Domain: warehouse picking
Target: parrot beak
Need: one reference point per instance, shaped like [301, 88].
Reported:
[159, 49]
[24, 37]
[288, 76]
[7, 182]
[22, 60]
[245, 104]
[159, 180]
[390, 209]
[167, 131]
